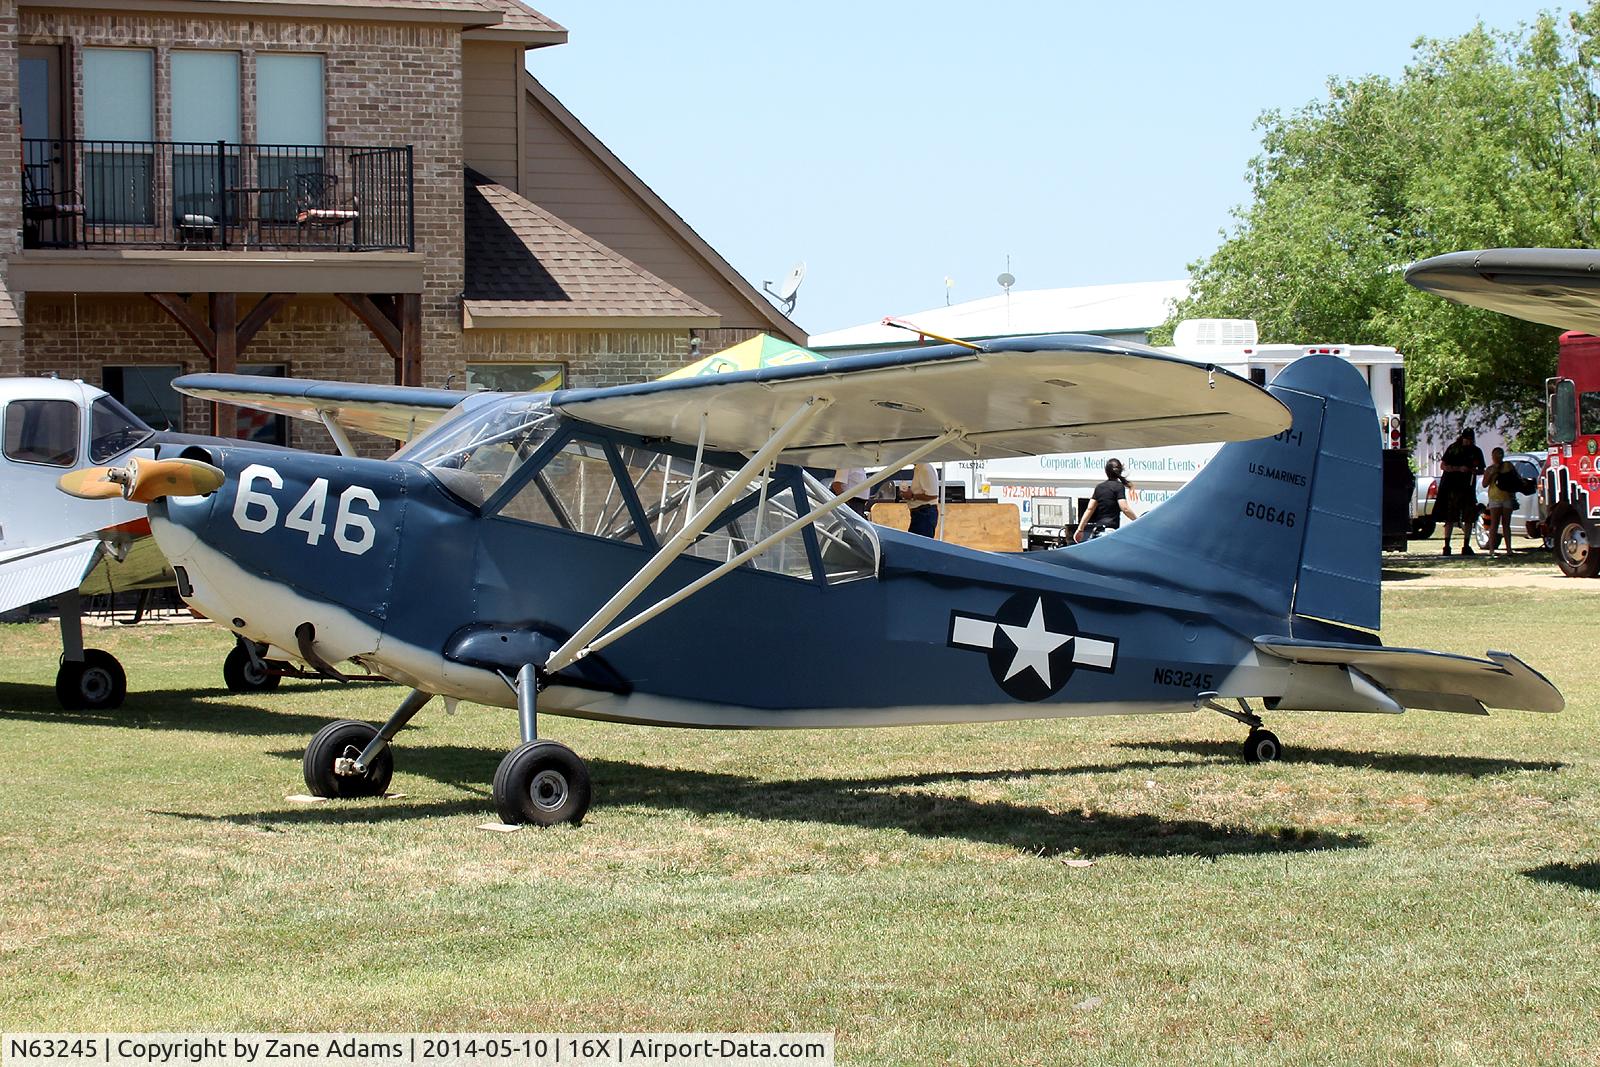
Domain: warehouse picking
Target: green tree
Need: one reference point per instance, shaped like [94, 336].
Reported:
[1491, 139]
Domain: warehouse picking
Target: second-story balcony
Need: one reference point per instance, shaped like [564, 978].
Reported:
[170, 195]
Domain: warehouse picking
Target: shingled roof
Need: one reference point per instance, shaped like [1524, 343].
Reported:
[527, 268]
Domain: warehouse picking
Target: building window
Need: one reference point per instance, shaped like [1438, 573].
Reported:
[146, 390]
[290, 112]
[205, 110]
[119, 113]
[42, 431]
[516, 377]
[259, 427]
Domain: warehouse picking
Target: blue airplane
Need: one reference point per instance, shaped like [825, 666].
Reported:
[659, 554]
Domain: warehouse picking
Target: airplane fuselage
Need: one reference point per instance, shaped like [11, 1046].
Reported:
[392, 570]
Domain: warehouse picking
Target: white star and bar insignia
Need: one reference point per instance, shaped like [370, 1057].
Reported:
[1033, 644]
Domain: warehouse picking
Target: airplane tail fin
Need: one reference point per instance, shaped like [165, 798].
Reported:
[1288, 524]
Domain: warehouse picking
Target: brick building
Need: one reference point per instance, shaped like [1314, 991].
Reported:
[370, 190]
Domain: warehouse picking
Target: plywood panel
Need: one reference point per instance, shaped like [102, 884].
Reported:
[991, 527]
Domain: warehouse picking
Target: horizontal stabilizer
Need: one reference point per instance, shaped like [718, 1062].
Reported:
[1437, 681]
[37, 574]
[397, 411]
[1020, 396]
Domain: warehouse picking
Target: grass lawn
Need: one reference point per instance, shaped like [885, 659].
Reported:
[1417, 889]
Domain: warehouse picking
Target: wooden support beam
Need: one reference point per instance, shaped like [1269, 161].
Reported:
[259, 316]
[225, 328]
[380, 319]
[408, 368]
[200, 331]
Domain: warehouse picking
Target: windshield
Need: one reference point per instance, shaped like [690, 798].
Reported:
[113, 429]
[482, 442]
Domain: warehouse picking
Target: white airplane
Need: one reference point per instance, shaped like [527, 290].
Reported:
[54, 545]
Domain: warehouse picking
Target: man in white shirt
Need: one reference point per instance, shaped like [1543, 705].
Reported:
[923, 496]
[844, 478]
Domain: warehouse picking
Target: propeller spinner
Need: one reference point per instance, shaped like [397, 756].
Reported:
[143, 480]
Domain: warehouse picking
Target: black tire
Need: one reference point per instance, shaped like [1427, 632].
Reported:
[1262, 747]
[345, 738]
[1422, 529]
[244, 676]
[96, 684]
[1576, 553]
[543, 783]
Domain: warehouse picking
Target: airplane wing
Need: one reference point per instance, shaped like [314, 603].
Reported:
[47, 571]
[1437, 681]
[1555, 286]
[397, 411]
[1015, 397]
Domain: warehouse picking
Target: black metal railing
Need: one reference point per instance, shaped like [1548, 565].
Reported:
[173, 194]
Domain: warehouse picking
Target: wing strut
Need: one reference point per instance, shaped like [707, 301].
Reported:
[759, 547]
[567, 654]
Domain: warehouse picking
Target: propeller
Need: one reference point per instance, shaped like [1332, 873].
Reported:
[143, 480]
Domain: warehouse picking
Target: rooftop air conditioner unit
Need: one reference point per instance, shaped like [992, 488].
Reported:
[1215, 333]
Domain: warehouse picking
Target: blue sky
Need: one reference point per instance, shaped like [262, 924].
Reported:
[890, 145]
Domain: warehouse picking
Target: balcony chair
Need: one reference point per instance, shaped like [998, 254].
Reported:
[59, 207]
[317, 202]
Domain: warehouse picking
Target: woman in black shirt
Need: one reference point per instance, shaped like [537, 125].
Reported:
[1109, 503]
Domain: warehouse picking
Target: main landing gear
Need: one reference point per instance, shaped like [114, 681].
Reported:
[246, 671]
[540, 782]
[89, 679]
[1260, 745]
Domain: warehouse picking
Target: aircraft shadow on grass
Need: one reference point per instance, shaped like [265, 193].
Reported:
[1577, 875]
[210, 710]
[884, 802]
[1403, 762]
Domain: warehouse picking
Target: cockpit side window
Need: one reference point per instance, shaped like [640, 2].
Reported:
[577, 489]
[42, 431]
[113, 429]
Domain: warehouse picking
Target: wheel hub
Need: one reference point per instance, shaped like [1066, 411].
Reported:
[1575, 544]
[95, 684]
[548, 790]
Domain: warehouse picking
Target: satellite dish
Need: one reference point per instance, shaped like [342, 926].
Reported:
[786, 293]
[1006, 280]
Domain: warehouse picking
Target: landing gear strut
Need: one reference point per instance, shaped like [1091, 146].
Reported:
[539, 782]
[1260, 745]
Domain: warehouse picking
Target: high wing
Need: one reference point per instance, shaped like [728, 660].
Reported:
[1015, 397]
[397, 411]
[1555, 286]
[1437, 681]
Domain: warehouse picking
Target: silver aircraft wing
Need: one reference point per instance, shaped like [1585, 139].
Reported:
[1014, 397]
[398, 411]
[1556, 286]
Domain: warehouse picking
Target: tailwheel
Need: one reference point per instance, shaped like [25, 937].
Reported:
[245, 673]
[543, 783]
[1262, 747]
[329, 757]
[95, 683]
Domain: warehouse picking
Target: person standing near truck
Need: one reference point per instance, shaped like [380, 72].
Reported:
[1502, 497]
[1458, 501]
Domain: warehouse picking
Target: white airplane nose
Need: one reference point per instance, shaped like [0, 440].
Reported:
[177, 542]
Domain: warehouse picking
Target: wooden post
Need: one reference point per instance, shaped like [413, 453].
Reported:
[225, 328]
[408, 370]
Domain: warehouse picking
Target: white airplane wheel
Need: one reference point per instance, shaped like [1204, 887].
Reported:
[98, 683]
[246, 675]
[543, 783]
[1262, 747]
[345, 739]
